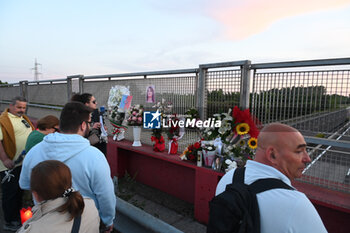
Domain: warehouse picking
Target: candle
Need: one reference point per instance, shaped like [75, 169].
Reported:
[26, 214]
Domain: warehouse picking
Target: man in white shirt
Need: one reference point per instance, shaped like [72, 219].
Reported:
[281, 154]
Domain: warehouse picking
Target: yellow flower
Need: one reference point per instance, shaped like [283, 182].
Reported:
[242, 142]
[253, 143]
[242, 128]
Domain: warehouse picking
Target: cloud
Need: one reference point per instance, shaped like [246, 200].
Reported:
[244, 18]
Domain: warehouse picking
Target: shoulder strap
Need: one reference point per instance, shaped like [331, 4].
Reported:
[76, 224]
[238, 176]
[263, 185]
[260, 185]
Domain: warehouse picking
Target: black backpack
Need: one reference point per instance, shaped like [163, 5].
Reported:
[236, 209]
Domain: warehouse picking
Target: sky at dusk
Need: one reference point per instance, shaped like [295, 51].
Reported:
[114, 36]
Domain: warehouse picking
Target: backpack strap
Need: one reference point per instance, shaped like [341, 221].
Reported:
[260, 185]
[76, 224]
[238, 176]
[263, 185]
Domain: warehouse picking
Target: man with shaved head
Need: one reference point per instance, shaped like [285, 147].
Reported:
[281, 154]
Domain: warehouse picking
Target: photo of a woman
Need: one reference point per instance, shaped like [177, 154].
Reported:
[150, 94]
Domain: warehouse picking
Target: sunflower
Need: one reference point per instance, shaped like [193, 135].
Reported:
[242, 128]
[253, 143]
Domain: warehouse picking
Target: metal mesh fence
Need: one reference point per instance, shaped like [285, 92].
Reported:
[51, 94]
[180, 91]
[331, 170]
[222, 90]
[37, 112]
[8, 92]
[302, 99]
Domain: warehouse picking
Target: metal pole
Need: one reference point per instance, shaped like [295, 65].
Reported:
[81, 84]
[201, 94]
[69, 87]
[245, 85]
[23, 89]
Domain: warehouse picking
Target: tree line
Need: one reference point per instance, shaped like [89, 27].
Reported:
[279, 103]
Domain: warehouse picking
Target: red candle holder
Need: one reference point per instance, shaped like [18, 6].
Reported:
[26, 214]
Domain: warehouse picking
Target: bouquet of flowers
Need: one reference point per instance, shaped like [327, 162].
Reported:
[191, 153]
[116, 115]
[235, 139]
[209, 147]
[226, 130]
[173, 135]
[242, 145]
[135, 115]
[163, 108]
[209, 152]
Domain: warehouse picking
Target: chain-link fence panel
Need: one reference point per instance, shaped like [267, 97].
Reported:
[223, 89]
[180, 91]
[302, 98]
[331, 170]
[8, 92]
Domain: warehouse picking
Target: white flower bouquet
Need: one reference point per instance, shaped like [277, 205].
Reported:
[116, 115]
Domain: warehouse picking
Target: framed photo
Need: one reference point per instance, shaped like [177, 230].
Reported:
[150, 94]
[217, 163]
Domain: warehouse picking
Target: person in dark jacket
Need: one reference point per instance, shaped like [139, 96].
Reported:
[95, 132]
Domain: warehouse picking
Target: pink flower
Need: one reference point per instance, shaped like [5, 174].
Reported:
[139, 119]
[134, 118]
[134, 113]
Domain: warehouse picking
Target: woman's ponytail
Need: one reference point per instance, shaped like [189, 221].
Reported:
[74, 205]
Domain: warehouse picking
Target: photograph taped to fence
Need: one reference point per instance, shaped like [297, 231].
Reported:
[150, 94]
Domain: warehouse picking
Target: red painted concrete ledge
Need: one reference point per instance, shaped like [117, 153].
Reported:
[197, 185]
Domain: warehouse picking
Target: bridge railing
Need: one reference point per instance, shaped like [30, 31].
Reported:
[305, 94]
[313, 96]
[330, 166]
[298, 93]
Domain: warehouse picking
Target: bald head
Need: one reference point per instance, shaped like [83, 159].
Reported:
[272, 134]
[284, 148]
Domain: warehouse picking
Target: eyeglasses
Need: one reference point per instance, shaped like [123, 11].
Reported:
[26, 123]
[56, 130]
[88, 122]
[94, 101]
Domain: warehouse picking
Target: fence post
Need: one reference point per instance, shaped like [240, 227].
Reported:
[81, 84]
[245, 85]
[69, 87]
[201, 94]
[74, 88]
[23, 89]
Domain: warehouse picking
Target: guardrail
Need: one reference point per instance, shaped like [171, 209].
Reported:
[131, 219]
